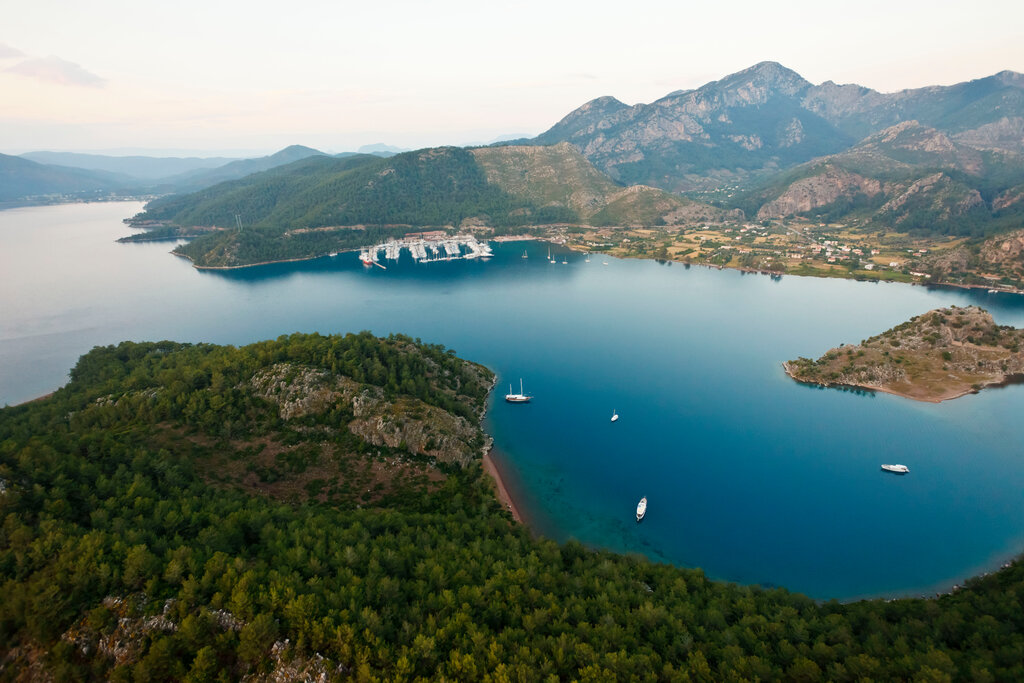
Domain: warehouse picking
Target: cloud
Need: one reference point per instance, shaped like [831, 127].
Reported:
[57, 70]
[8, 52]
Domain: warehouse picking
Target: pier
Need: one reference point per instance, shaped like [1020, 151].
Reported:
[428, 250]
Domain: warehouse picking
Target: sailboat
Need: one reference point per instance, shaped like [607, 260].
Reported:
[517, 398]
[615, 416]
[565, 261]
[524, 254]
[588, 258]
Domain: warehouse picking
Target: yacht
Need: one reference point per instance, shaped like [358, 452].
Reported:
[565, 261]
[641, 508]
[524, 254]
[897, 469]
[517, 398]
[615, 416]
[588, 259]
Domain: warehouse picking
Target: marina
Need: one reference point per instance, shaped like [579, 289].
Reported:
[427, 250]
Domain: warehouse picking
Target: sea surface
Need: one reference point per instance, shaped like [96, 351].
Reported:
[749, 475]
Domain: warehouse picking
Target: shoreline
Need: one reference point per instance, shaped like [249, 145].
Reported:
[491, 468]
[581, 250]
[1007, 380]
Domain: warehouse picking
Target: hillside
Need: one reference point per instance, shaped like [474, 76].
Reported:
[323, 204]
[939, 355]
[22, 179]
[768, 118]
[559, 176]
[910, 178]
[196, 513]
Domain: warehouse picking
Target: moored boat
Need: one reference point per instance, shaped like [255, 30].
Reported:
[521, 397]
[615, 415]
[641, 508]
[896, 469]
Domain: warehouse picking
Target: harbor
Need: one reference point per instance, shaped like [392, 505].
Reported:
[426, 248]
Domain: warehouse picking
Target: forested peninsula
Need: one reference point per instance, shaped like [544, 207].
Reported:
[940, 355]
[313, 507]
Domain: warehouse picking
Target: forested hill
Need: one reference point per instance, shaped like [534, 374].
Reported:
[324, 204]
[202, 513]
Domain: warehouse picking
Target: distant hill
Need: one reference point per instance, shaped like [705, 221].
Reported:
[380, 149]
[768, 118]
[139, 167]
[909, 177]
[22, 179]
[195, 180]
[324, 204]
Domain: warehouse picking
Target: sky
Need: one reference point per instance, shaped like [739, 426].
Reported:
[226, 77]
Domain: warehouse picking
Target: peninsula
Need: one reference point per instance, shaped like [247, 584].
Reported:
[942, 354]
[313, 508]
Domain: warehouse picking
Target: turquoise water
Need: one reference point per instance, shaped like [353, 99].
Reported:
[749, 475]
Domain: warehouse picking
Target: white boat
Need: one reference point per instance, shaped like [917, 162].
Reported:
[615, 416]
[333, 254]
[588, 258]
[897, 469]
[641, 508]
[517, 398]
[605, 263]
[565, 261]
[524, 254]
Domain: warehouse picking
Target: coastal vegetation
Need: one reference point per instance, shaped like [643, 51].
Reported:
[942, 354]
[199, 512]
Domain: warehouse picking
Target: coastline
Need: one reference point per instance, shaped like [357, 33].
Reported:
[579, 249]
[491, 468]
[948, 396]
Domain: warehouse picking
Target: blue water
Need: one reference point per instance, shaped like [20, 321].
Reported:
[749, 475]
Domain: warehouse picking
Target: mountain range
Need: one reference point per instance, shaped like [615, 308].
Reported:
[764, 141]
[768, 118]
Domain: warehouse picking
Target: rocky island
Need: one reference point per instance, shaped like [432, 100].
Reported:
[942, 354]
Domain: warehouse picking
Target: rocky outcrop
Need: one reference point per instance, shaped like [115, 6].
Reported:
[403, 422]
[817, 191]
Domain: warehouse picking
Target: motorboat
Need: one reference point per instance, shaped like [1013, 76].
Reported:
[896, 469]
[641, 508]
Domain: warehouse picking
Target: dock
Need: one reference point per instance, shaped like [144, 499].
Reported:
[427, 250]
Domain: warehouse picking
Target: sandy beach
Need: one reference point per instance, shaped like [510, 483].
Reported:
[503, 497]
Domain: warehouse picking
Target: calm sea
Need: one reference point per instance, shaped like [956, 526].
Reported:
[749, 475]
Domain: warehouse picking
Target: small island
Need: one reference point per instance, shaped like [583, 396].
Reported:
[942, 354]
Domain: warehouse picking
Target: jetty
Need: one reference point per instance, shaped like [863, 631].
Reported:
[446, 248]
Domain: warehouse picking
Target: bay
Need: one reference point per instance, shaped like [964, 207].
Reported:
[749, 475]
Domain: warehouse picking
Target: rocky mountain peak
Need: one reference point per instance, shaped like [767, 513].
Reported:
[1011, 78]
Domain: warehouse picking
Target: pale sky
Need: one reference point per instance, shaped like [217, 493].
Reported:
[255, 76]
